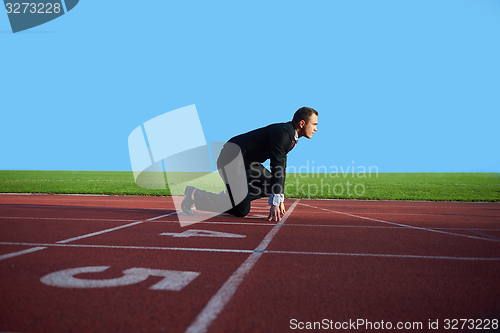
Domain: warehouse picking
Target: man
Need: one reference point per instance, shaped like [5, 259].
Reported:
[246, 179]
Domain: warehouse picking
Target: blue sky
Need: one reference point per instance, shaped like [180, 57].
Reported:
[407, 86]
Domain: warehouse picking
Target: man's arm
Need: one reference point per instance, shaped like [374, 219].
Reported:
[280, 142]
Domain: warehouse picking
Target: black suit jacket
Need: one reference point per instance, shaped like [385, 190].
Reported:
[272, 142]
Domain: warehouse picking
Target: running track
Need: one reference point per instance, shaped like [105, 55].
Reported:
[124, 264]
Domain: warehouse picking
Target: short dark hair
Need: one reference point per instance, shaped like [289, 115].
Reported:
[304, 113]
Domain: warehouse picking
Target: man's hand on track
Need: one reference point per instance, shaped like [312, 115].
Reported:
[275, 213]
[282, 208]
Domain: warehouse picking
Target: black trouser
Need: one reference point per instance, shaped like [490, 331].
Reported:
[244, 181]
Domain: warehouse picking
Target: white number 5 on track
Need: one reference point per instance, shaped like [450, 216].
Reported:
[173, 280]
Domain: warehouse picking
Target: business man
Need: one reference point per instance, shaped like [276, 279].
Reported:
[246, 179]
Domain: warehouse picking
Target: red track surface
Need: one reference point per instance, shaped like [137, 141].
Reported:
[333, 262]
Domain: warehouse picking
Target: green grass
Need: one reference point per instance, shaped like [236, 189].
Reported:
[381, 186]
[399, 186]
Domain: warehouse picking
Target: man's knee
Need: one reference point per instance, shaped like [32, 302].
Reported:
[241, 210]
[239, 213]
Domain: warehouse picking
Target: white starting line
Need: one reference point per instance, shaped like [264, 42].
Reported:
[41, 246]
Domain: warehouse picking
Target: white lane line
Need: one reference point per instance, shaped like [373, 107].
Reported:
[192, 249]
[119, 220]
[99, 232]
[418, 214]
[406, 203]
[15, 254]
[63, 219]
[251, 223]
[112, 198]
[129, 247]
[483, 234]
[113, 229]
[434, 214]
[381, 255]
[226, 292]
[403, 225]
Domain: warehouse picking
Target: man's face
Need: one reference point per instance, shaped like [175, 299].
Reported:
[309, 128]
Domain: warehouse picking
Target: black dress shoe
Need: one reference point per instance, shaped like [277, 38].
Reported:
[187, 202]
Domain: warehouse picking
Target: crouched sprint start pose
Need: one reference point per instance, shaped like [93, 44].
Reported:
[241, 169]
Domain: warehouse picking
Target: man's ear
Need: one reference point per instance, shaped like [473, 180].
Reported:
[302, 123]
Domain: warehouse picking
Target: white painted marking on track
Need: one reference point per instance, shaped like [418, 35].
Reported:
[173, 280]
[155, 221]
[381, 255]
[127, 247]
[99, 232]
[64, 219]
[226, 292]
[15, 254]
[162, 248]
[412, 214]
[113, 229]
[451, 215]
[202, 233]
[261, 223]
[403, 225]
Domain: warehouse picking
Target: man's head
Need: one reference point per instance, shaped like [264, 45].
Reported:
[305, 121]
